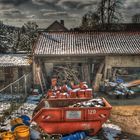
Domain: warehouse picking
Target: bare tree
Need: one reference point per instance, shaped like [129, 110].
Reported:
[136, 18]
[90, 20]
[107, 13]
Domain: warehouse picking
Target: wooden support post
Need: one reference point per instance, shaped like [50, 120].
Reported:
[100, 69]
[34, 72]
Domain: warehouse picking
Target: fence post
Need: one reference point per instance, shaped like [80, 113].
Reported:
[25, 82]
[11, 89]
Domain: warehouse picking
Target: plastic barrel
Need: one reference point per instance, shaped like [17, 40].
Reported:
[75, 136]
[81, 93]
[8, 136]
[22, 132]
[25, 119]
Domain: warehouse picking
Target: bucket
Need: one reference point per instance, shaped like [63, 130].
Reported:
[57, 94]
[22, 132]
[8, 136]
[88, 93]
[63, 95]
[52, 97]
[81, 93]
[49, 93]
[72, 94]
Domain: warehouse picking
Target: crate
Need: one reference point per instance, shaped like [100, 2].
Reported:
[55, 117]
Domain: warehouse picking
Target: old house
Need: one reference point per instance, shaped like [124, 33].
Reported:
[12, 67]
[91, 53]
[57, 26]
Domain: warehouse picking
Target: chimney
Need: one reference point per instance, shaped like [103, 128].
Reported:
[62, 22]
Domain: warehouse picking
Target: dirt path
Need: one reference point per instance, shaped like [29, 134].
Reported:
[127, 117]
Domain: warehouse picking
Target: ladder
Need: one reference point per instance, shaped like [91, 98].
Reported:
[41, 78]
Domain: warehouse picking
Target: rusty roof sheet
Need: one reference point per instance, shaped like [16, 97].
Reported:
[8, 60]
[90, 43]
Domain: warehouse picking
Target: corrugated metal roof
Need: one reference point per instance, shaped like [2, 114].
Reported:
[8, 60]
[94, 43]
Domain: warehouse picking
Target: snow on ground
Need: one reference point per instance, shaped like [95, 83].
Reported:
[26, 108]
[9, 97]
[111, 131]
[3, 107]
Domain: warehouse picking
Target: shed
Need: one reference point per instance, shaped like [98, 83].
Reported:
[89, 52]
[12, 67]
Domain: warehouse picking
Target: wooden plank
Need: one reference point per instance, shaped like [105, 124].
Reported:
[97, 81]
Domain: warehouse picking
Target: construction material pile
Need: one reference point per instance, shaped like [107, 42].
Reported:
[119, 90]
[91, 103]
[74, 91]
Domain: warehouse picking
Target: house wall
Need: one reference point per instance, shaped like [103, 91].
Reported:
[121, 61]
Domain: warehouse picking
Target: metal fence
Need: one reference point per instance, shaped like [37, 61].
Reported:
[13, 95]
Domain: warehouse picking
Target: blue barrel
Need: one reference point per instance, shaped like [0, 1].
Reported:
[75, 136]
[25, 119]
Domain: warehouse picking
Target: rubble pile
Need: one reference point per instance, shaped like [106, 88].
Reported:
[111, 131]
[91, 103]
[119, 90]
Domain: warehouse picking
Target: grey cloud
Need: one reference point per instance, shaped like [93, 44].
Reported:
[7, 6]
[55, 14]
[75, 4]
[47, 10]
[70, 10]
[69, 4]
[12, 13]
[14, 2]
[31, 16]
[41, 2]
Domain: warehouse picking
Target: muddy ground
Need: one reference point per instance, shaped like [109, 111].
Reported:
[126, 114]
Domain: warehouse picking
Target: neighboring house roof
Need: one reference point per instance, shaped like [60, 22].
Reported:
[56, 26]
[90, 43]
[8, 60]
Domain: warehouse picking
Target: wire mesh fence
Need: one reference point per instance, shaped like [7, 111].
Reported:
[13, 95]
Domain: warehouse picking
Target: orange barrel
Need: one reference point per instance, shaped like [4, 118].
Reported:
[52, 97]
[57, 94]
[88, 93]
[64, 88]
[22, 132]
[81, 93]
[7, 136]
[73, 94]
[49, 93]
[63, 95]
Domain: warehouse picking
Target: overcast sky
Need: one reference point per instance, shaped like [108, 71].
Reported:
[44, 12]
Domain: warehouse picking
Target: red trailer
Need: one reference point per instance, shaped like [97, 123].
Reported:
[55, 116]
